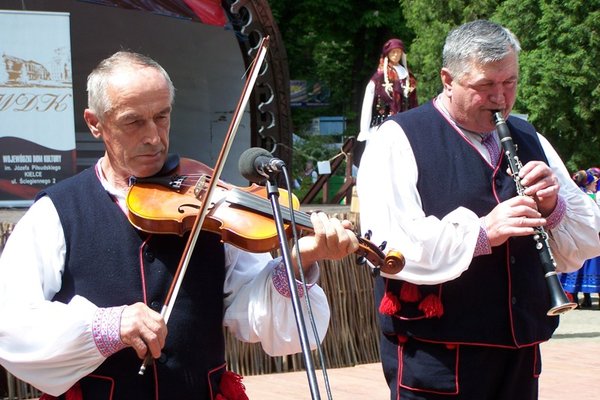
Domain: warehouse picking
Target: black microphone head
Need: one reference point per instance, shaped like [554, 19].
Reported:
[247, 163]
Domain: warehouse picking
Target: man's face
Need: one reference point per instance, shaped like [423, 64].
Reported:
[135, 130]
[484, 90]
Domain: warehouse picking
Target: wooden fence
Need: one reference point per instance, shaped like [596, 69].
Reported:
[352, 338]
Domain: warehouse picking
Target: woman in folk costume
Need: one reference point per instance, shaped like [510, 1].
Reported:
[587, 278]
[590, 281]
[595, 172]
[392, 89]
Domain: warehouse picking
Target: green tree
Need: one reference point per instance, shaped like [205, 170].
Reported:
[431, 20]
[338, 43]
[559, 85]
[560, 73]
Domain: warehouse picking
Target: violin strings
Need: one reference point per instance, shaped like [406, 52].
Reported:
[262, 205]
[249, 200]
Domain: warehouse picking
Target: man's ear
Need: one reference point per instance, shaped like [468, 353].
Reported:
[93, 123]
[446, 81]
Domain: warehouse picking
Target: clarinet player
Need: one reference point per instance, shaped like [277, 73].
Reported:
[465, 317]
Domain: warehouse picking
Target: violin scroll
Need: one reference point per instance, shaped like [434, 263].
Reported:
[393, 262]
[390, 263]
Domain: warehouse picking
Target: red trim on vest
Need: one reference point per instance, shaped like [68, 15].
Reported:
[74, 393]
[142, 272]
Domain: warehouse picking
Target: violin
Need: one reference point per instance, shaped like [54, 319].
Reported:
[168, 203]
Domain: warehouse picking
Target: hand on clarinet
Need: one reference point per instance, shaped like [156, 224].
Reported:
[517, 216]
[541, 184]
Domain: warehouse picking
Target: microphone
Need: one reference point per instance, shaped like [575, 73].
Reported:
[257, 164]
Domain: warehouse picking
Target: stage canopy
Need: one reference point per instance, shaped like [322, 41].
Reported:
[206, 11]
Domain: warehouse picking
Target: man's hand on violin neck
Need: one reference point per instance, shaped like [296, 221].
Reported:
[143, 329]
[332, 239]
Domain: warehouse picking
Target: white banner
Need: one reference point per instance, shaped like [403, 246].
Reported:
[37, 128]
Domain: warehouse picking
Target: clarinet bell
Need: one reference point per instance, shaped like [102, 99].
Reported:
[559, 302]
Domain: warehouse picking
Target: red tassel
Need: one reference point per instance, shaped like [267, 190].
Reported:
[389, 305]
[74, 393]
[402, 339]
[410, 293]
[431, 306]
[231, 387]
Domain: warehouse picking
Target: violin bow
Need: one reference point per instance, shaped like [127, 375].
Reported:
[204, 206]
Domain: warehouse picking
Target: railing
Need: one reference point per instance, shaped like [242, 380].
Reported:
[16, 389]
[322, 183]
[10, 387]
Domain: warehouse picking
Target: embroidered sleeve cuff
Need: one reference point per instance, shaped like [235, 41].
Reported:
[482, 247]
[106, 330]
[280, 280]
[557, 215]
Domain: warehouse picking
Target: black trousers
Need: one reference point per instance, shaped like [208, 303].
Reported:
[417, 370]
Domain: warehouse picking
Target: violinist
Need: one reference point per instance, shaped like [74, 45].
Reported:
[81, 289]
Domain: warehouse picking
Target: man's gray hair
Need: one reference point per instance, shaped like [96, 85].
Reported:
[479, 41]
[98, 79]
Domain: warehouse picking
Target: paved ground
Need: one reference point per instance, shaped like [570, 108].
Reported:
[571, 369]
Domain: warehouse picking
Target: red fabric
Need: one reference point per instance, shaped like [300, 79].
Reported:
[389, 305]
[391, 45]
[570, 297]
[209, 11]
[431, 306]
[74, 393]
[231, 387]
[206, 11]
[410, 293]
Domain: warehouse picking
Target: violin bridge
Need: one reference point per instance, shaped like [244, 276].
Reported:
[200, 185]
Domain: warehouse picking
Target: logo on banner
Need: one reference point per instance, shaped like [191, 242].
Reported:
[37, 132]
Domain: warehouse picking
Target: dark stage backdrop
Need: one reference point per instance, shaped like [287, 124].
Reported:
[204, 61]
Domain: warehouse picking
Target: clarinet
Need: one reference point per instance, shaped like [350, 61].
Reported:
[558, 299]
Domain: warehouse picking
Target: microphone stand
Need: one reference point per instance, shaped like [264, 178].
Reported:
[273, 195]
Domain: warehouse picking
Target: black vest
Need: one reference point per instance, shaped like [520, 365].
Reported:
[111, 263]
[502, 298]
